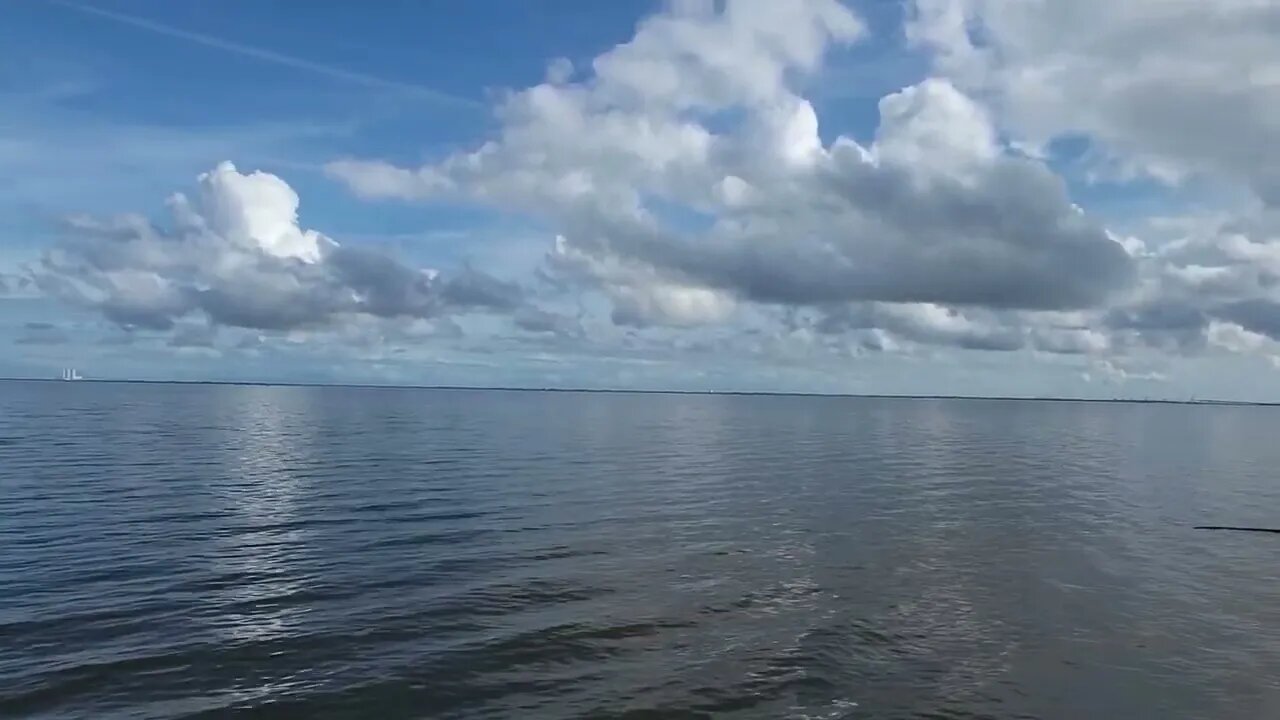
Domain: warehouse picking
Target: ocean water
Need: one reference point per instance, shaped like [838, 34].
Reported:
[229, 551]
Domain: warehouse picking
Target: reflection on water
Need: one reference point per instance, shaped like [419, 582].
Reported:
[260, 436]
[180, 551]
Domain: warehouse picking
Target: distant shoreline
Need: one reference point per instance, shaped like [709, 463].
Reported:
[623, 391]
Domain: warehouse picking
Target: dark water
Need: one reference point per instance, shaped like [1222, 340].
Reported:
[187, 551]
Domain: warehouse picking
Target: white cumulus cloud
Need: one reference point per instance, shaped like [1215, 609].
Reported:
[235, 255]
[686, 175]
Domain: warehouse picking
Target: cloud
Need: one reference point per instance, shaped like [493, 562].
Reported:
[1182, 93]
[234, 254]
[1237, 339]
[1112, 371]
[1164, 322]
[41, 333]
[694, 206]
[271, 56]
[474, 289]
[1168, 89]
[1212, 272]
[685, 176]
[536, 320]
[1257, 315]
[13, 284]
[926, 324]
[194, 335]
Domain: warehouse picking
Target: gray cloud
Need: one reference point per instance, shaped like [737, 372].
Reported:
[876, 234]
[41, 333]
[1213, 272]
[925, 324]
[536, 320]
[1190, 88]
[473, 289]
[677, 216]
[1189, 91]
[386, 287]
[1069, 341]
[1257, 315]
[1160, 316]
[194, 335]
[236, 256]
[11, 283]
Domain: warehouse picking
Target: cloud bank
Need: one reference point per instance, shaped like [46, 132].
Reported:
[687, 187]
[685, 175]
[1180, 94]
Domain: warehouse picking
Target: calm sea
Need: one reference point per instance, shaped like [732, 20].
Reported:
[222, 551]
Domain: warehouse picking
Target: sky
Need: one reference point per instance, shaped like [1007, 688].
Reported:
[966, 197]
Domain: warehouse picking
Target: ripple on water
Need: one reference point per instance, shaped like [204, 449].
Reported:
[187, 551]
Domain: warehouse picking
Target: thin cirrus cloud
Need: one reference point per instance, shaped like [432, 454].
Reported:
[277, 58]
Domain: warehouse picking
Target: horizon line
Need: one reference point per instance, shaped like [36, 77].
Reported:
[643, 391]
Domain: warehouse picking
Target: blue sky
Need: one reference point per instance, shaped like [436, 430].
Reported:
[377, 120]
[81, 74]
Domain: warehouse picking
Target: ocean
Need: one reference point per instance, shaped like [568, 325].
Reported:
[210, 551]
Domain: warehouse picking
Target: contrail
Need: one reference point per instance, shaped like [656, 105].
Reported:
[274, 57]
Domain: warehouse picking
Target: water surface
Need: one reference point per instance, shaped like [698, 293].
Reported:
[240, 551]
